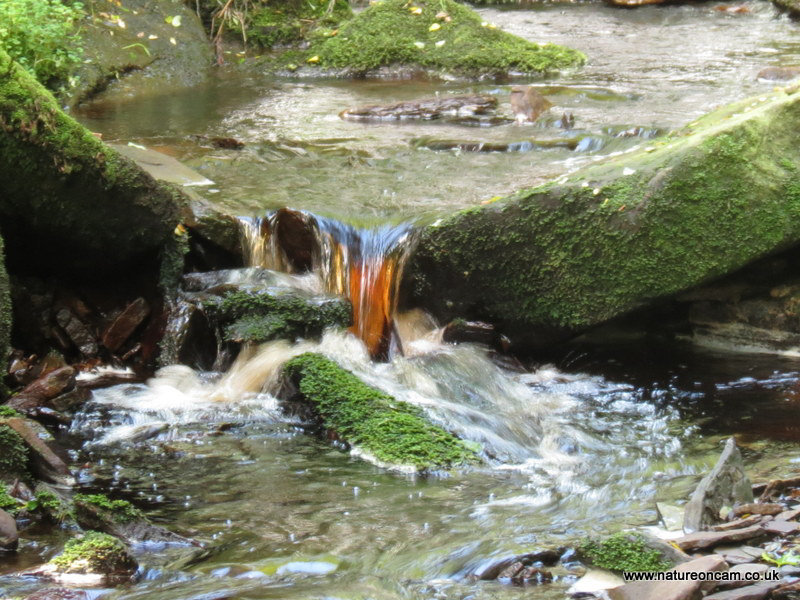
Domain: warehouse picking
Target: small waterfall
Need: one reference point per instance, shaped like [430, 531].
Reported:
[364, 265]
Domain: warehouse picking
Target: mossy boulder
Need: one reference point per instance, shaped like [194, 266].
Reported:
[69, 203]
[439, 36]
[146, 44]
[95, 553]
[262, 316]
[289, 22]
[549, 262]
[393, 432]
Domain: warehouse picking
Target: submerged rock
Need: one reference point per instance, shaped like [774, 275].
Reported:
[391, 432]
[434, 108]
[726, 485]
[547, 263]
[432, 35]
[44, 463]
[779, 73]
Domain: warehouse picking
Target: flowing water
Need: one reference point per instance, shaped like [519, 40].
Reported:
[585, 446]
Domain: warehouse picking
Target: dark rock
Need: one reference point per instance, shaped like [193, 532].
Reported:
[789, 591]
[527, 103]
[44, 462]
[71, 400]
[781, 527]
[125, 324]
[672, 590]
[9, 537]
[42, 391]
[77, 332]
[749, 571]
[296, 235]
[227, 143]
[757, 508]
[511, 571]
[433, 108]
[727, 484]
[476, 332]
[106, 379]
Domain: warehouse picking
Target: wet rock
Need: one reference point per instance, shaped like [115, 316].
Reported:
[750, 592]
[122, 520]
[527, 103]
[779, 73]
[595, 581]
[475, 332]
[90, 560]
[77, 331]
[727, 484]
[705, 540]
[71, 400]
[434, 108]
[93, 381]
[790, 591]
[9, 537]
[493, 570]
[43, 461]
[162, 166]
[42, 391]
[295, 232]
[757, 508]
[226, 143]
[634, 3]
[672, 590]
[125, 324]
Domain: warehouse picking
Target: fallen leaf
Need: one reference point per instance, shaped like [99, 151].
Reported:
[440, 43]
[434, 27]
[173, 41]
[419, 45]
[176, 21]
[313, 59]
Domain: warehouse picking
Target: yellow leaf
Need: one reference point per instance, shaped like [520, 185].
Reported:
[313, 59]
[434, 27]
[176, 21]
[415, 10]
[180, 229]
[173, 41]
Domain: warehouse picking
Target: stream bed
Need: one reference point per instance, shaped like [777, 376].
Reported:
[584, 446]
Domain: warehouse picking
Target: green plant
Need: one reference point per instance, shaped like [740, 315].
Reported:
[7, 412]
[623, 551]
[790, 558]
[43, 36]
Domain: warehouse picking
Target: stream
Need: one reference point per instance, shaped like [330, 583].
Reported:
[585, 445]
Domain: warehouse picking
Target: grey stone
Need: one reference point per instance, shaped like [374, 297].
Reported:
[788, 515]
[9, 537]
[671, 516]
[751, 592]
[781, 527]
[727, 484]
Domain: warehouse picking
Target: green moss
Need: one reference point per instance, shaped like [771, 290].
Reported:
[6, 412]
[399, 32]
[7, 503]
[94, 552]
[120, 511]
[13, 453]
[547, 262]
[50, 505]
[260, 317]
[290, 22]
[394, 432]
[623, 552]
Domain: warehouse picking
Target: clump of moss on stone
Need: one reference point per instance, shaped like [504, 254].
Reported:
[7, 503]
[51, 506]
[394, 432]
[260, 317]
[13, 453]
[283, 23]
[6, 412]
[623, 551]
[121, 511]
[95, 552]
[439, 35]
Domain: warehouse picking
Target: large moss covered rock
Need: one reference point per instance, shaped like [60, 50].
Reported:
[551, 261]
[69, 203]
[391, 431]
[434, 35]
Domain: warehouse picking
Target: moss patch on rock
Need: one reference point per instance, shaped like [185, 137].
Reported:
[119, 511]
[546, 263]
[90, 209]
[13, 454]
[95, 552]
[437, 35]
[262, 316]
[283, 23]
[623, 551]
[392, 431]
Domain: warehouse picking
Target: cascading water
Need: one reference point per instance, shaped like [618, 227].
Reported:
[364, 265]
